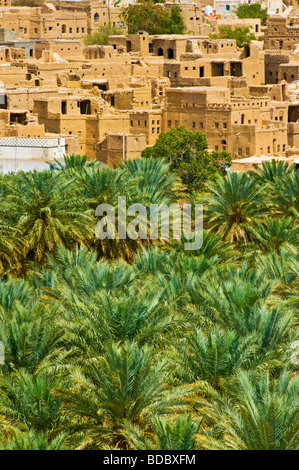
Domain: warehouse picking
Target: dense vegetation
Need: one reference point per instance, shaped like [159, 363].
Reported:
[110, 344]
[101, 36]
[242, 34]
[27, 3]
[252, 10]
[152, 18]
[187, 153]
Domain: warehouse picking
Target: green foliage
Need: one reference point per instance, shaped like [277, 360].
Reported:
[27, 3]
[188, 157]
[253, 426]
[242, 34]
[252, 10]
[152, 18]
[127, 344]
[101, 36]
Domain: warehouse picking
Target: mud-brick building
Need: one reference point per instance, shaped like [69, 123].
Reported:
[45, 22]
[91, 119]
[240, 125]
[192, 16]
[117, 147]
[273, 60]
[99, 14]
[282, 33]
[130, 98]
[148, 122]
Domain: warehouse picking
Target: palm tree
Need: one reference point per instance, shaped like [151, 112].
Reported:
[166, 434]
[126, 384]
[212, 247]
[283, 268]
[255, 413]
[285, 201]
[233, 206]
[173, 272]
[154, 184]
[212, 356]
[275, 233]
[28, 402]
[31, 336]
[269, 172]
[119, 316]
[31, 440]
[100, 186]
[79, 272]
[74, 161]
[10, 249]
[244, 301]
[47, 213]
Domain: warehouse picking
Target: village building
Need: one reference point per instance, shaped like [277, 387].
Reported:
[111, 101]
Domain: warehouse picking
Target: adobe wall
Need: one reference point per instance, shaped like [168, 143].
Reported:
[293, 134]
[282, 33]
[65, 48]
[116, 148]
[288, 72]
[149, 123]
[272, 62]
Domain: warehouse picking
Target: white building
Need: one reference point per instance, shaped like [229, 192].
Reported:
[29, 153]
[227, 8]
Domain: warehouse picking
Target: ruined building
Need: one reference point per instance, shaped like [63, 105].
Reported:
[110, 102]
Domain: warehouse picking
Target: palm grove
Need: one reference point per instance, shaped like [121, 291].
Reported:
[138, 344]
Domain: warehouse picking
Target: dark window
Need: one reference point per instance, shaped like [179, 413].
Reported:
[85, 107]
[170, 53]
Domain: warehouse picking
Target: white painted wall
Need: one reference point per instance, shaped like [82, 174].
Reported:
[29, 153]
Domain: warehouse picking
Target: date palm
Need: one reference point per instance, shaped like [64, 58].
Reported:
[233, 206]
[48, 213]
[275, 233]
[125, 384]
[74, 162]
[244, 301]
[212, 356]
[285, 201]
[31, 440]
[154, 183]
[10, 249]
[119, 317]
[165, 434]
[31, 336]
[282, 267]
[256, 413]
[269, 172]
[27, 401]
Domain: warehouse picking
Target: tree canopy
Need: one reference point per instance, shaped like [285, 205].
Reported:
[101, 35]
[242, 34]
[186, 151]
[122, 345]
[153, 18]
[252, 10]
